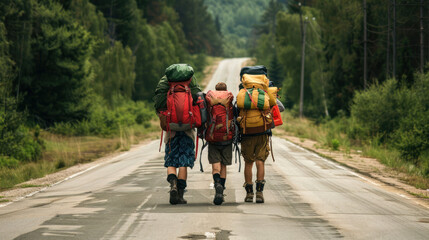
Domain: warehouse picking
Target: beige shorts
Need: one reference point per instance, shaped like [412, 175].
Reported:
[255, 148]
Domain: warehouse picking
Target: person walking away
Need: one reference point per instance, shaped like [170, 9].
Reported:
[255, 121]
[178, 117]
[219, 135]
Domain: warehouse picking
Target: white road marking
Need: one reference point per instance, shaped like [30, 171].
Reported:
[120, 233]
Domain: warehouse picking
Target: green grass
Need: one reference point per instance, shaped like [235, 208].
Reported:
[30, 185]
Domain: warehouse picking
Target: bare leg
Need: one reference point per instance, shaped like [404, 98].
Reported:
[183, 173]
[216, 168]
[171, 170]
[260, 170]
[248, 172]
[222, 171]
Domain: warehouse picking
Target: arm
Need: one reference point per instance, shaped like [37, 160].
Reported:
[280, 104]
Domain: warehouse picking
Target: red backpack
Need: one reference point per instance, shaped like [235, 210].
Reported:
[181, 114]
[220, 127]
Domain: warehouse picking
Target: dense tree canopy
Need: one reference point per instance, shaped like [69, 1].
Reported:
[334, 55]
[64, 50]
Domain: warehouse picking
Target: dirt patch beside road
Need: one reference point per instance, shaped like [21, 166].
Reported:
[380, 174]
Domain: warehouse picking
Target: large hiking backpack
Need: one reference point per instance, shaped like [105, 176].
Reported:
[220, 127]
[254, 101]
[181, 114]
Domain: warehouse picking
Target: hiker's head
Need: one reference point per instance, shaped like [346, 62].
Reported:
[221, 86]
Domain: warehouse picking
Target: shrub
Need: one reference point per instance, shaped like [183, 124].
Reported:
[106, 121]
[376, 109]
[8, 162]
[335, 144]
[412, 136]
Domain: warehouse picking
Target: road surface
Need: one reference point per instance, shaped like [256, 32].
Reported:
[306, 197]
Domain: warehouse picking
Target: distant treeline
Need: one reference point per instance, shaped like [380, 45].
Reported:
[235, 19]
[76, 62]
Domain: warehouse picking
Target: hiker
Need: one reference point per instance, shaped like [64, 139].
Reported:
[219, 135]
[255, 102]
[178, 117]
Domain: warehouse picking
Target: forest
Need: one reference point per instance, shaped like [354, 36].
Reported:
[366, 74]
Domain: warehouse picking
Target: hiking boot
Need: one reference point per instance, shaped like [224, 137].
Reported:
[218, 199]
[249, 192]
[181, 199]
[259, 188]
[174, 194]
[259, 197]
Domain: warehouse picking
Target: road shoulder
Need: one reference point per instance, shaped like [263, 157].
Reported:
[369, 167]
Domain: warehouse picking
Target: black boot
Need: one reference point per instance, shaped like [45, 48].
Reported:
[259, 189]
[174, 194]
[218, 199]
[181, 186]
[181, 199]
[249, 192]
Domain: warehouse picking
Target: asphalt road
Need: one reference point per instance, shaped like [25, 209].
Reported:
[306, 197]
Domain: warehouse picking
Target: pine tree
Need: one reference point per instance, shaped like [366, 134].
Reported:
[58, 85]
[276, 72]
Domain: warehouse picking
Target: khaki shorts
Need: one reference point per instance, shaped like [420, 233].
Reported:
[220, 153]
[255, 148]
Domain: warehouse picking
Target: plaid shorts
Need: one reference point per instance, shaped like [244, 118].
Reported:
[179, 151]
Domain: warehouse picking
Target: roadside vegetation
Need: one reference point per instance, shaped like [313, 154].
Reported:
[388, 122]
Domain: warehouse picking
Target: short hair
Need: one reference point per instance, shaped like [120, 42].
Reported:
[221, 86]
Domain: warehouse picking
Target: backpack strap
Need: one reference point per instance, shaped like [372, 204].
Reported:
[196, 148]
[160, 142]
[236, 149]
[251, 99]
[237, 153]
[226, 123]
[201, 154]
[271, 146]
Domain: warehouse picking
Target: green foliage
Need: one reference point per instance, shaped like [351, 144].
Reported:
[20, 144]
[412, 136]
[115, 73]
[236, 21]
[199, 27]
[398, 116]
[279, 46]
[8, 162]
[377, 108]
[16, 142]
[335, 144]
[56, 88]
[106, 121]
[86, 14]
[342, 37]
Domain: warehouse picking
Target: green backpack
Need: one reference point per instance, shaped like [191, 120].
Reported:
[179, 72]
